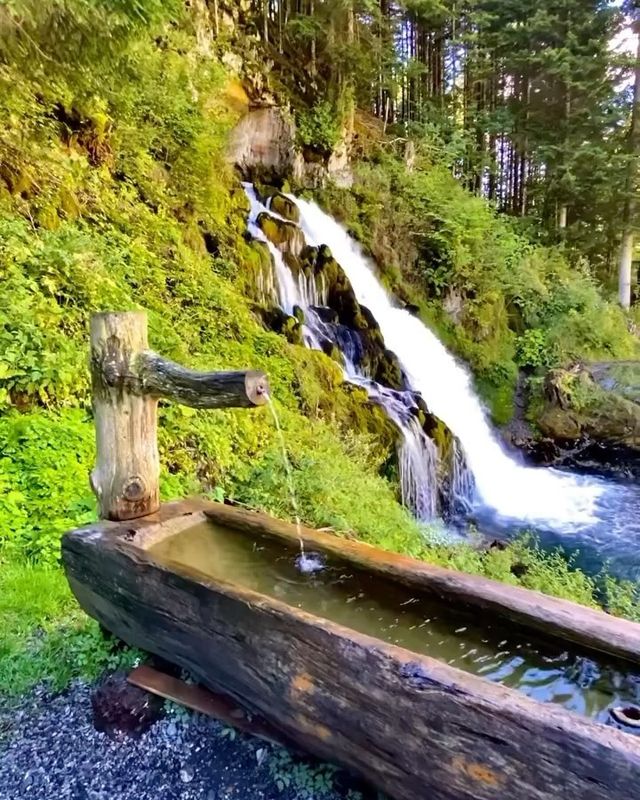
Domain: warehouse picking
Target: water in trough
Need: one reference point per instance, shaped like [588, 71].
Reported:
[545, 670]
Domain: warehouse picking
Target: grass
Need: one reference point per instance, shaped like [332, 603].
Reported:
[46, 637]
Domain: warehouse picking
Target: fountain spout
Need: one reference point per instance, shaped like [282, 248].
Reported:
[128, 379]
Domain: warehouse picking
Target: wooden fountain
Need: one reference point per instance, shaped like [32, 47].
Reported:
[415, 727]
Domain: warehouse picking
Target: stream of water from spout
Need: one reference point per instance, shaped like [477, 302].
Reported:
[288, 470]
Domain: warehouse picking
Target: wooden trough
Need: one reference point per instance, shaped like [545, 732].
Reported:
[414, 726]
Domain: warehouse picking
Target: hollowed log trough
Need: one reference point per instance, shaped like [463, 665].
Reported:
[415, 727]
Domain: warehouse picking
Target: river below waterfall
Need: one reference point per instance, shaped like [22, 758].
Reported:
[596, 520]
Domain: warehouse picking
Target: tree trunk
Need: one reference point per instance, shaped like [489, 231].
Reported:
[562, 217]
[314, 67]
[628, 222]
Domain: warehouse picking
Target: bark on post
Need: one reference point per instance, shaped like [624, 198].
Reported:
[128, 380]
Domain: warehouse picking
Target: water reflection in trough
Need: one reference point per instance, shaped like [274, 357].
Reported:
[544, 670]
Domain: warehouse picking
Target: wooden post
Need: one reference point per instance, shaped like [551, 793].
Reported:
[128, 380]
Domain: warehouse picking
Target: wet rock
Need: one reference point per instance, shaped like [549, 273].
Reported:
[326, 314]
[285, 207]
[585, 419]
[277, 320]
[286, 236]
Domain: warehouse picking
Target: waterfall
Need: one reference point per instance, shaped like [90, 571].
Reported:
[510, 489]
[417, 454]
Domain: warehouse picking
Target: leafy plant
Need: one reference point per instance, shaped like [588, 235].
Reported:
[319, 126]
[309, 780]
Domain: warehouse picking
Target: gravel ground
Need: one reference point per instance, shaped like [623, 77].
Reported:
[49, 750]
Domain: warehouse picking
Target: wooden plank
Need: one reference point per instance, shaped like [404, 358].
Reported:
[415, 727]
[202, 700]
[553, 616]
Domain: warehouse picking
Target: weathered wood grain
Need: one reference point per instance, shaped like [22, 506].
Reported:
[128, 380]
[560, 618]
[160, 377]
[417, 728]
[125, 476]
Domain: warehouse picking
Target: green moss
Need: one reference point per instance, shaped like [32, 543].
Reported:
[285, 235]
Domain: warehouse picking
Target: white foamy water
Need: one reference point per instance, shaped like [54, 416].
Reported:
[537, 495]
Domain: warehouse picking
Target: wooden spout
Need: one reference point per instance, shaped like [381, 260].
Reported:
[128, 380]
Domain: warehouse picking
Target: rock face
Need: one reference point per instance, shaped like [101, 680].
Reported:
[591, 419]
[263, 147]
[346, 315]
[263, 144]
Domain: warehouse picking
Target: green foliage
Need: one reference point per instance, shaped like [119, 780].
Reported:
[115, 194]
[44, 636]
[622, 598]
[44, 487]
[498, 300]
[318, 126]
[308, 780]
[532, 349]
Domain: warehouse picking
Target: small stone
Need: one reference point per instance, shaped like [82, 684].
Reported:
[186, 774]
[261, 754]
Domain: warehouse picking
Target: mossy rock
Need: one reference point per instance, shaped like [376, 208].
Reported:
[286, 236]
[285, 207]
[275, 319]
[333, 351]
[577, 408]
[389, 372]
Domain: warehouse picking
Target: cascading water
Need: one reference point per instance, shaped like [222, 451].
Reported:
[513, 490]
[601, 518]
[418, 455]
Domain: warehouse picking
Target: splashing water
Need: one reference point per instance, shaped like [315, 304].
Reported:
[511, 489]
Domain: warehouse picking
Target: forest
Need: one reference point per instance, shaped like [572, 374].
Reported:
[530, 103]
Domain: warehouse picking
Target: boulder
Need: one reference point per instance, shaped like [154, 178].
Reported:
[590, 419]
[286, 236]
[263, 144]
[285, 207]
